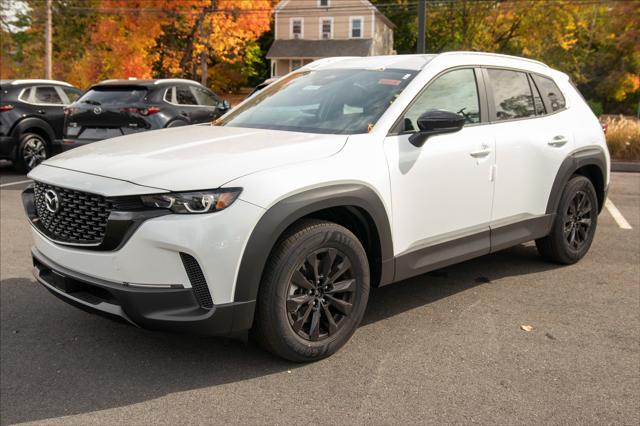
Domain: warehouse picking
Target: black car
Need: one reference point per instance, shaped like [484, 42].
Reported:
[121, 107]
[31, 119]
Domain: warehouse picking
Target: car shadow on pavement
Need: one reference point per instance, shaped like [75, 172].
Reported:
[400, 297]
[57, 360]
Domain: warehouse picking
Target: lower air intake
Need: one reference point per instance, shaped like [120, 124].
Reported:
[198, 282]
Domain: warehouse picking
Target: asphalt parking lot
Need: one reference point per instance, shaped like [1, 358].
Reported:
[445, 347]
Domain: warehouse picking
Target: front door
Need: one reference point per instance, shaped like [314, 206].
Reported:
[442, 192]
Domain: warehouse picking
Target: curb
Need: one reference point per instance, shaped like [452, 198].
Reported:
[625, 166]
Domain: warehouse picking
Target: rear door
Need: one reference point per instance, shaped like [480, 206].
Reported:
[208, 101]
[49, 104]
[188, 105]
[532, 141]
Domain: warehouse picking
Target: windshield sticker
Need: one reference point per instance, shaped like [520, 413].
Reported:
[406, 76]
[389, 82]
[311, 87]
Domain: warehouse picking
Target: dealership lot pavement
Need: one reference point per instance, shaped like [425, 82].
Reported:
[445, 347]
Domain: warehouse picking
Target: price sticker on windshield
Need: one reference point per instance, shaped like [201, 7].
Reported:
[389, 82]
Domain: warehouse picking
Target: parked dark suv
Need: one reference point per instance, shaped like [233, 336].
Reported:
[121, 107]
[31, 119]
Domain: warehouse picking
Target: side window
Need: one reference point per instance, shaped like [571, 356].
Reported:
[184, 96]
[455, 91]
[72, 94]
[205, 97]
[551, 94]
[25, 94]
[47, 95]
[170, 95]
[537, 99]
[511, 94]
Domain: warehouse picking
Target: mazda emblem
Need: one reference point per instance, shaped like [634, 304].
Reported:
[97, 110]
[51, 201]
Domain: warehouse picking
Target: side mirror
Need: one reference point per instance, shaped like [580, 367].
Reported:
[436, 122]
[224, 105]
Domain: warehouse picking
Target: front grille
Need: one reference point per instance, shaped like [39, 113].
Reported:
[198, 282]
[81, 217]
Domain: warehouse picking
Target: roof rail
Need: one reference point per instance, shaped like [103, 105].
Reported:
[176, 80]
[35, 80]
[500, 55]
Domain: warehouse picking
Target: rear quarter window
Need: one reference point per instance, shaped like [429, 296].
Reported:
[551, 94]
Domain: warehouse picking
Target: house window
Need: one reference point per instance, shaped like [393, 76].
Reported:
[326, 28]
[323, 3]
[297, 28]
[355, 27]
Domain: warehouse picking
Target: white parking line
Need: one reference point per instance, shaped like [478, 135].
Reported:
[20, 182]
[617, 216]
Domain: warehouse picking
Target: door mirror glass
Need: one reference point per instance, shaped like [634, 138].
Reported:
[436, 122]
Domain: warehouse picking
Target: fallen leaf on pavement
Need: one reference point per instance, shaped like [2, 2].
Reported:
[526, 327]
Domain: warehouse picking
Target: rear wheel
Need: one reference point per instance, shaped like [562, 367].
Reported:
[575, 223]
[314, 292]
[32, 150]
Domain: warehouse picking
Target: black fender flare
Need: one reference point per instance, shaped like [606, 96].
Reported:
[33, 122]
[288, 210]
[580, 158]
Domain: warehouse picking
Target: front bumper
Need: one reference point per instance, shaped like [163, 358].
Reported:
[173, 308]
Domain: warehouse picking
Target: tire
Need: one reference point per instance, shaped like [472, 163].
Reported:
[33, 149]
[292, 314]
[575, 224]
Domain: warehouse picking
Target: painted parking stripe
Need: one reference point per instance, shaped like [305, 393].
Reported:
[617, 216]
[20, 182]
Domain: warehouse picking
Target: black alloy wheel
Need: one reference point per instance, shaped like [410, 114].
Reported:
[577, 220]
[575, 223]
[313, 293]
[321, 294]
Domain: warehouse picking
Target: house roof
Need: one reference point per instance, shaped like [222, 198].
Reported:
[319, 48]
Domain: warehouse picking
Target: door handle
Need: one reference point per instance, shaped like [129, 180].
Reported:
[558, 141]
[483, 152]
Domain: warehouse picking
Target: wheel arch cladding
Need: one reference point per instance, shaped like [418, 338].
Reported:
[588, 162]
[34, 125]
[354, 206]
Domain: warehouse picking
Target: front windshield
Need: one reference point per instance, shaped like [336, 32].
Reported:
[341, 101]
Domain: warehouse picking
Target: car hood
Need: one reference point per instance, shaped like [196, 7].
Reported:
[195, 157]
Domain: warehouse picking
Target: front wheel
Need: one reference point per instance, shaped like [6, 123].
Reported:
[32, 150]
[314, 292]
[575, 224]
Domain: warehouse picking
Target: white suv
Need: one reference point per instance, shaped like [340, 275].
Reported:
[346, 174]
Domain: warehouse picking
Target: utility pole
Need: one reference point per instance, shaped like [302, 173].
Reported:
[47, 43]
[422, 23]
[203, 57]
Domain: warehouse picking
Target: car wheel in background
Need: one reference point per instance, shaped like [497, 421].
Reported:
[313, 293]
[32, 150]
[575, 223]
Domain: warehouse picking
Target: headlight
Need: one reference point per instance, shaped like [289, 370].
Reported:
[193, 202]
